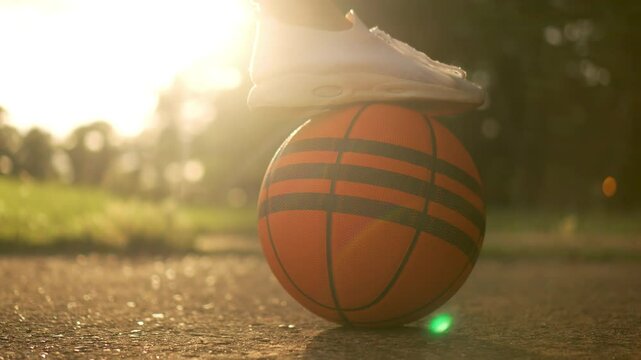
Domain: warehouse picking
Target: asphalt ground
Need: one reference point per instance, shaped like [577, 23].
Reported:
[228, 305]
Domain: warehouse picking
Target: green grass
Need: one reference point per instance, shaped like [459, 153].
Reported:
[563, 222]
[47, 216]
[592, 235]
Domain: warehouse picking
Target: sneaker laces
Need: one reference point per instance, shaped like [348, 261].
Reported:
[419, 56]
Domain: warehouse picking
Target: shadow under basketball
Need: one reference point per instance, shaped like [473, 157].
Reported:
[407, 342]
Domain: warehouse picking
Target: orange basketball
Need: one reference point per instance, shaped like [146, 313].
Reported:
[371, 215]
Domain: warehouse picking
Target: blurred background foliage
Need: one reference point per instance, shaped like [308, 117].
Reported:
[562, 113]
[563, 109]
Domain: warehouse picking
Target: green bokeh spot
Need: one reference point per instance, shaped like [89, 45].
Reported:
[440, 324]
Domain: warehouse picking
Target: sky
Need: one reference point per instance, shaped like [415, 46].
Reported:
[64, 63]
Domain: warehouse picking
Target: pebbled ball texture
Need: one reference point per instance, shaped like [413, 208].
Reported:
[371, 215]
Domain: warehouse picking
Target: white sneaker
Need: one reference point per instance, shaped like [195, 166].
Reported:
[305, 68]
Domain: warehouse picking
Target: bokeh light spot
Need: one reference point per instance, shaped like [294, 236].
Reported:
[440, 324]
[609, 186]
[61, 163]
[193, 171]
[553, 35]
[94, 141]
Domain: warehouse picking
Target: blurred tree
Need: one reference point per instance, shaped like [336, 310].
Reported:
[563, 107]
[562, 110]
[35, 153]
[10, 140]
[126, 174]
[91, 149]
[4, 116]
[238, 145]
[169, 149]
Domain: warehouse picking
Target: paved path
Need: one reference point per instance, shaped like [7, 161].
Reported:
[229, 306]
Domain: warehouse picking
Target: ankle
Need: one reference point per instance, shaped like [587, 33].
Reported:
[316, 14]
[318, 23]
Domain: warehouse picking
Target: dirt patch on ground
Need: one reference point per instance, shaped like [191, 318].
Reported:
[230, 306]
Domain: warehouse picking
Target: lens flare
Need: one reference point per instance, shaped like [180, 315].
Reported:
[609, 186]
[93, 59]
[440, 324]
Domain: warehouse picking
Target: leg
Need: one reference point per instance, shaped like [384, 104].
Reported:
[323, 14]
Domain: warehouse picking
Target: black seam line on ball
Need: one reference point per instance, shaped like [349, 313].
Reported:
[422, 223]
[267, 204]
[330, 204]
[392, 151]
[385, 179]
[422, 307]
[373, 209]
[429, 303]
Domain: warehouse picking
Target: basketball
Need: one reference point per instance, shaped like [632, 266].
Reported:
[371, 215]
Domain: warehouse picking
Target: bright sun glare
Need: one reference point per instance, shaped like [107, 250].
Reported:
[68, 62]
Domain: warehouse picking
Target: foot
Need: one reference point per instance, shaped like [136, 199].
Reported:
[308, 71]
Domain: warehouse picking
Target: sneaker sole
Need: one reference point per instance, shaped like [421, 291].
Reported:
[303, 90]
